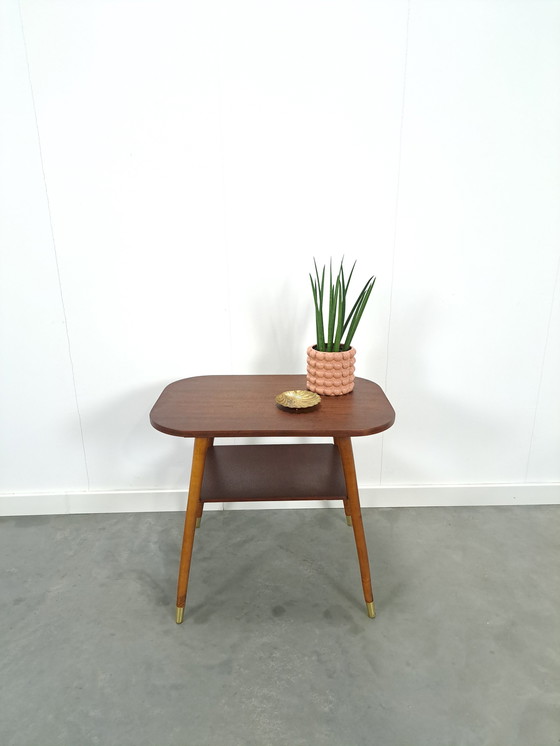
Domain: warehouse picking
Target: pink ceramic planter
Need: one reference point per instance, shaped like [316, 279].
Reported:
[330, 373]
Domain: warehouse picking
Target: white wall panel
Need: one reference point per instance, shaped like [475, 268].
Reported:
[197, 155]
[127, 106]
[544, 460]
[311, 110]
[477, 244]
[40, 444]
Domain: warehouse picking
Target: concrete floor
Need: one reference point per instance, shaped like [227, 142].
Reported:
[276, 648]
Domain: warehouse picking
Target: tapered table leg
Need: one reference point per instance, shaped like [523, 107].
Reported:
[348, 466]
[201, 446]
[200, 505]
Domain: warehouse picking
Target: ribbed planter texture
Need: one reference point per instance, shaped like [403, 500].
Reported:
[330, 373]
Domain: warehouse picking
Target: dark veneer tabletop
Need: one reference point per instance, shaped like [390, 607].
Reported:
[236, 406]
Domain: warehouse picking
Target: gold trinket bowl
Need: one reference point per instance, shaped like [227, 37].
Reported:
[297, 399]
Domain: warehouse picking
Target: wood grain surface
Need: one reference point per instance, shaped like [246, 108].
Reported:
[303, 471]
[237, 406]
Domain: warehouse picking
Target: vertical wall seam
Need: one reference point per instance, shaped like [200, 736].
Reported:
[55, 255]
[224, 210]
[555, 291]
[396, 218]
[225, 226]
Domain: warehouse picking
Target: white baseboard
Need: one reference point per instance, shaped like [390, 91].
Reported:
[457, 495]
[371, 497]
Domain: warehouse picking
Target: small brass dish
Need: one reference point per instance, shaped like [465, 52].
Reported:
[297, 399]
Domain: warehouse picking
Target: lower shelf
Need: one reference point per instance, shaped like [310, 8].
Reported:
[273, 472]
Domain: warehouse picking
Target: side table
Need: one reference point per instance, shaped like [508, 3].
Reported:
[207, 407]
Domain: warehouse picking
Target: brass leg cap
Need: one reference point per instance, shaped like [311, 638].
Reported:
[198, 522]
[370, 609]
[180, 614]
[349, 520]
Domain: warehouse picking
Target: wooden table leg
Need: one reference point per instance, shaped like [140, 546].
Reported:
[345, 503]
[201, 446]
[200, 506]
[348, 466]
[199, 509]
[347, 512]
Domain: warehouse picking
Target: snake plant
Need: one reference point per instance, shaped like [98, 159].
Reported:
[338, 323]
